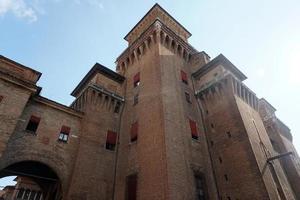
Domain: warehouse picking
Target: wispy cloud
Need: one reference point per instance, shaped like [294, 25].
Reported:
[19, 8]
[96, 3]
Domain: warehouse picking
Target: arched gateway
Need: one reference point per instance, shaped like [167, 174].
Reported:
[38, 172]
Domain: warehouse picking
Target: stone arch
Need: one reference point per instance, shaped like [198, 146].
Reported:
[40, 173]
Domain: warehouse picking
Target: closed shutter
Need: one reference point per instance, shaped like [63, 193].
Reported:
[134, 131]
[111, 137]
[194, 131]
[184, 77]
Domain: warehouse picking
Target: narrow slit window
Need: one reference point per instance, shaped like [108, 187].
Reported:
[111, 140]
[117, 107]
[188, 97]
[184, 77]
[64, 134]
[33, 124]
[228, 134]
[135, 99]
[226, 177]
[131, 187]
[136, 80]
[1, 98]
[134, 132]
[193, 127]
[200, 188]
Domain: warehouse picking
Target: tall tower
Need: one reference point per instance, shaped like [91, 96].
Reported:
[162, 146]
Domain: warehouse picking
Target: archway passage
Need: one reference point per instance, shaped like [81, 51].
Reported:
[40, 173]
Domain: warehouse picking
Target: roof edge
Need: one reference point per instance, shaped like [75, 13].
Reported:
[97, 68]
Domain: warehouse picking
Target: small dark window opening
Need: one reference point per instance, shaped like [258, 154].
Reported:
[33, 124]
[211, 143]
[131, 187]
[226, 177]
[64, 134]
[200, 188]
[26, 195]
[212, 126]
[135, 99]
[206, 111]
[32, 195]
[111, 139]
[117, 107]
[188, 97]
[38, 195]
[136, 80]
[1, 98]
[228, 198]
[134, 132]
[20, 193]
[229, 134]
[106, 98]
[220, 159]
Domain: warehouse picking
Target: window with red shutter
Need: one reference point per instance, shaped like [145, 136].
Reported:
[64, 134]
[111, 140]
[33, 124]
[136, 80]
[131, 187]
[194, 131]
[184, 77]
[134, 132]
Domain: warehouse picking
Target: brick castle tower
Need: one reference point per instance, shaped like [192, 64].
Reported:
[170, 124]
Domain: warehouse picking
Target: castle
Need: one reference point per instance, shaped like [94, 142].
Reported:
[170, 124]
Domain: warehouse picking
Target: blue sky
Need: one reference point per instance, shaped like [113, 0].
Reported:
[64, 38]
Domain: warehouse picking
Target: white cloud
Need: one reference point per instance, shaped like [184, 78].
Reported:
[96, 3]
[19, 8]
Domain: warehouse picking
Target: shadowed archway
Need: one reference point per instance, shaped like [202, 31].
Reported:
[40, 173]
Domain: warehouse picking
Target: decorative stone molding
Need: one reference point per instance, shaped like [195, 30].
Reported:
[157, 32]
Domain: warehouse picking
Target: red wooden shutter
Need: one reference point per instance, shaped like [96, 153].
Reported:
[131, 187]
[184, 77]
[136, 77]
[65, 129]
[35, 119]
[134, 131]
[193, 127]
[111, 137]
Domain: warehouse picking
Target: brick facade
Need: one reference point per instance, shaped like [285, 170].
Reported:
[171, 123]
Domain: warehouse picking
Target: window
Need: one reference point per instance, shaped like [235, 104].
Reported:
[188, 97]
[38, 195]
[194, 131]
[220, 160]
[26, 195]
[32, 195]
[226, 177]
[64, 134]
[33, 124]
[212, 126]
[136, 99]
[184, 77]
[136, 80]
[211, 143]
[20, 193]
[1, 98]
[134, 132]
[200, 188]
[228, 134]
[111, 139]
[117, 107]
[131, 187]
